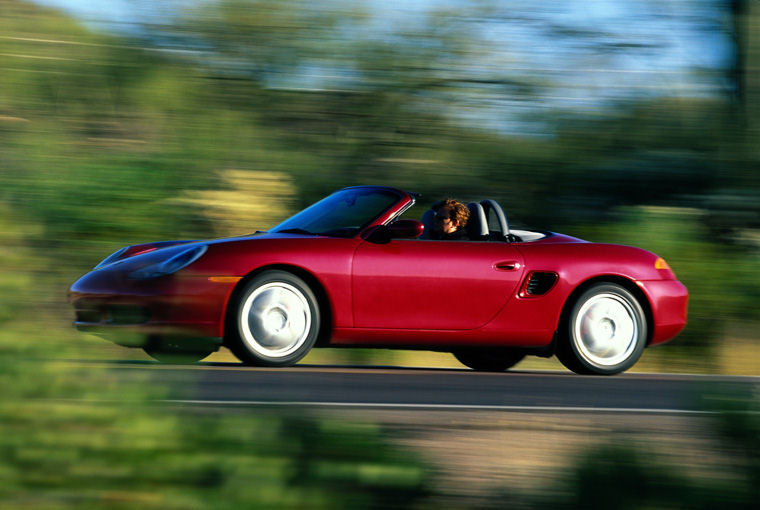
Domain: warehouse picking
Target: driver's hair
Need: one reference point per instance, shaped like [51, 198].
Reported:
[459, 211]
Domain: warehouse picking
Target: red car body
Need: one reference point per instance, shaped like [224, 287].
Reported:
[377, 287]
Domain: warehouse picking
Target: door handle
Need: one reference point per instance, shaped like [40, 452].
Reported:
[507, 265]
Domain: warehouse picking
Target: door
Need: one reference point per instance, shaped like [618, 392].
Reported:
[433, 285]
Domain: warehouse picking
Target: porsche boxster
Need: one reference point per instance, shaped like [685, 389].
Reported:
[349, 271]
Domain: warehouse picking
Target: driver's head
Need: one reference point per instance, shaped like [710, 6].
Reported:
[450, 215]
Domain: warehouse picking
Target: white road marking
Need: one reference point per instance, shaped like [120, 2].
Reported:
[485, 407]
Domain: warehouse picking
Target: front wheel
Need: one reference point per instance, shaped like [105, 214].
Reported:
[606, 331]
[488, 360]
[276, 320]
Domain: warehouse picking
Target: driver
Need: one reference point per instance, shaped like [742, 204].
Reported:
[449, 221]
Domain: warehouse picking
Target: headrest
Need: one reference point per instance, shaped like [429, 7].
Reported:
[498, 227]
[477, 225]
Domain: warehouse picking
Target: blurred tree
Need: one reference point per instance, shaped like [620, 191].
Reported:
[629, 476]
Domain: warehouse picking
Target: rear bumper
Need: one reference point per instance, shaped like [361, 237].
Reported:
[669, 300]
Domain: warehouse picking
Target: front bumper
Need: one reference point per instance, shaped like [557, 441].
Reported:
[129, 312]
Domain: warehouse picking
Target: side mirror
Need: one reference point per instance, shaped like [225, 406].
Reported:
[401, 229]
[406, 229]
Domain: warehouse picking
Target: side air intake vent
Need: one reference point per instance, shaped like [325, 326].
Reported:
[540, 283]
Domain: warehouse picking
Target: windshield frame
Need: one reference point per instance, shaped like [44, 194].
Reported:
[297, 223]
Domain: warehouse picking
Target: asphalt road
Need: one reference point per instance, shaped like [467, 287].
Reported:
[480, 433]
[235, 385]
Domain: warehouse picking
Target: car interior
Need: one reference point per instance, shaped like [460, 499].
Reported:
[487, 223]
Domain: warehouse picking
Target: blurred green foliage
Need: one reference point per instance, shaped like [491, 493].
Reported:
[127, 455]
[625, 474]
[101, 137]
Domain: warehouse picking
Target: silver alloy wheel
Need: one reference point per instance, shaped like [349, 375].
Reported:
[606, 330]
[275, 319]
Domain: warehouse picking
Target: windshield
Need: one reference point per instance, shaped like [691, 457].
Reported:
[342, 214]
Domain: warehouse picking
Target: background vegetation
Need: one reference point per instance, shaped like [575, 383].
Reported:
[220, 121]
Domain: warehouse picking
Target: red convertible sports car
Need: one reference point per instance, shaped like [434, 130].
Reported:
[347, 271]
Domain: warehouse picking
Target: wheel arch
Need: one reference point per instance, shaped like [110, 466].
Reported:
[312, 281]
[627, 284]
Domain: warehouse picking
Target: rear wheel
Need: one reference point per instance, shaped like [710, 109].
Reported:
[606, 331]
[276, 320]
[488, 360]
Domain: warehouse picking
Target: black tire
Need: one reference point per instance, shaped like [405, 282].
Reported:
[173, 352]
[488, 360]
[605, 333]
[275, 321]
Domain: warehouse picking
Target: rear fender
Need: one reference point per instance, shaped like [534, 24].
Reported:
[623, 282]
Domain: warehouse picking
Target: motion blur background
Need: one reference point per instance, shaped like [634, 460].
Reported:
[122, 122]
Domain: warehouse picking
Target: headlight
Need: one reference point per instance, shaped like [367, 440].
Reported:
[112, 257]
[170, 265]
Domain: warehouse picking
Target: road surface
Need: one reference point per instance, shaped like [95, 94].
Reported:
[232, 384]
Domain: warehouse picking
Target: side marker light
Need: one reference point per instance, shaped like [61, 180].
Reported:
[224, 279]
[661, 264]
